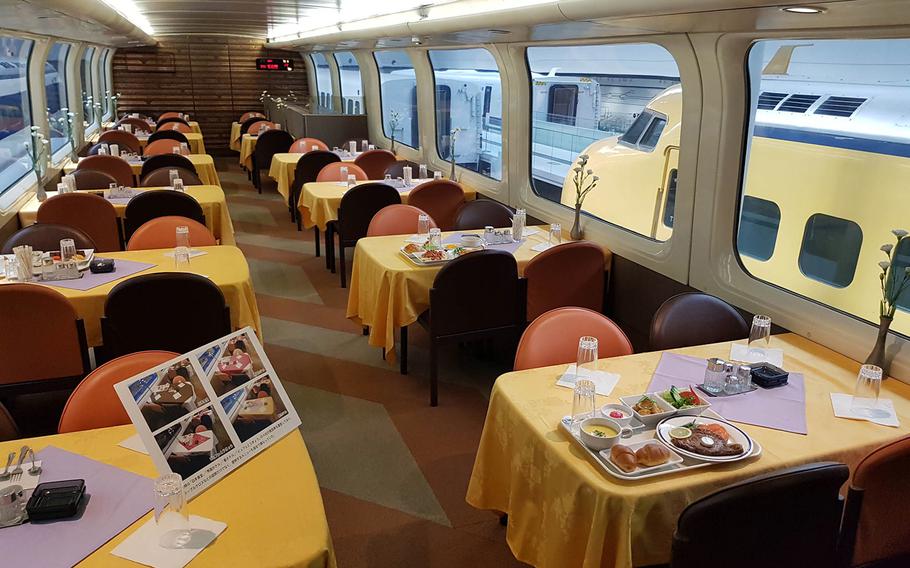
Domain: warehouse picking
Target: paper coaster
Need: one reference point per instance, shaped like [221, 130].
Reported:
[741, 352]
[142, 546]
[842, 409]
[604, 382]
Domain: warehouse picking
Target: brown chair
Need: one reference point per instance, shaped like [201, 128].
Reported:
[170, 114]
[176, 126]
[455, 315]
[440, 198]
[800, 506]
[260, 127]
[162, 177]
[93, 179]
[375, 162]
[125, 140]
[270, 143]
[162, 121]
[116, 167]
[95, 404]
[167, 134]
[248, 115]
[43, 345]
[552, 338]
[694, 318]
[166, 161]
[876, 525]
[304, 145]
[356, 210]
[332, 172]
[245, 126]
[307, 170]
[571, 274]
[159, 147]
[8, 429]
[396, 220]
[150, 205]
[92, 214]
[482, 213]
[161, 233]
[46, 237]
[137, 124]
[396, 170]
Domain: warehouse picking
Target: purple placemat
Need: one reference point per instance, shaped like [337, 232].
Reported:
[782, 408]
[114, 499]
[508, 247]
[122, 269]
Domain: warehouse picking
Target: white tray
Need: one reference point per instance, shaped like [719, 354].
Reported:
[603, 462]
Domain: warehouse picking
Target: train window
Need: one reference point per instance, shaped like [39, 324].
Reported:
[469, 100]
[351, 84]
[15, 111]
[833, 162]
[616, 103]
[105, 91]
[85, 73]
[398, 97]
[55, 89]
[323, 81]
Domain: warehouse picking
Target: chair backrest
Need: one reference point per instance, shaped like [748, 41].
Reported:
[270, 143]
[375, 162]
[46, 237]
[800, 506]
[245, 126]
[876, 524]
[359, 205]
[307, 170]
[150, 205]
[396, 220]
[161, 233]
[441, 199]
[248, 115]
[122, 138]
[166, 161]
[43, 337]
[163, 121]
[169, 114]
[694, 318]
[92, 214]
[166, 310]
[136, 123]
[304, 145]
[571, 274]
[8, 428]
[95, 149]
[332, 172]
[167, 134]
[454, 309]
[260, 126]
[396, 169]
[114, 166]
[162, 177]
[164, 146]
[481, 213]
[95, 404]
[93, 179]
[175, 127]
[552, 338]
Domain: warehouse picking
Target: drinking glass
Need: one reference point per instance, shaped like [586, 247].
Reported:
[423, 172]
[759, 336]
[115, 150]
[182, 248]
[184, 148]
[178, 185]
[555, 234]
[406, 173]
[175, 149]
[314, 148]
[388, 177]
[67, 249]
[364, 144]
[352, 147]
[371, 147]
[423, 224]
[172, 175]
[865, 396]
[352, 180]
[586, 363]
[435, 239]
[183, 236]
[103, 150]
[582, 401]
[343, 172]
[172, 521]
[113, 186]
[437, 174]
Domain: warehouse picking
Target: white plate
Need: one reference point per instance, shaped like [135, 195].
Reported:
[662, 433]
[675, 459]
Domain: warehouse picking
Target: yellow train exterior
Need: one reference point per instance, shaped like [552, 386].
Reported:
[802, 179]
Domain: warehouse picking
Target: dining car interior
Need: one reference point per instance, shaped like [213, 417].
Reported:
[439, 283]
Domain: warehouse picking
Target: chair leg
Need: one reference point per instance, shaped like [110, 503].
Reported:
[315, 237]
[403, 363]
[341, 268]
[366, 330]
[434, 371]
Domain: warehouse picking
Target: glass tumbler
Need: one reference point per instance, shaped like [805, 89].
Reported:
[343, 172]
[582, 402]
[759, 337]
[435, 239]
[184, 148]
[352, 180]
[865, 396]
[172, 521]
[67, 249]
[423, 172]
[586, 362]
[555, 234]
[172, 175]
[437, 174]
[423, 224]
[182, 246]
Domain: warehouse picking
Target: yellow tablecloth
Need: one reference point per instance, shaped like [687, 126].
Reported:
[194, 140]
[224, 265]
[210, 197]
[319, 201]
[247, 146]
[271, 504]
[235, 136]
[564, 512]
[283, 167]
[388, 291]
[204, 163]
[193, 125]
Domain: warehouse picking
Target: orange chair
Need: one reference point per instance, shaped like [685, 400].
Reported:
[92, 214]
[125, 140]
[170, 115]
[375, 162]
[95, 404]
[43, 345]
[548, 286]
[164, 146]
[161, 233]
[440, 198]
[259, 127]
[396, 220]
[552, 338]
[178, 126]
[114, 166]
[304, 145]
[248, 115]
[332, 172]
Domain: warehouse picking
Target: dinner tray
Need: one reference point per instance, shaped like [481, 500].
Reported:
[421, 262]
[644, 435]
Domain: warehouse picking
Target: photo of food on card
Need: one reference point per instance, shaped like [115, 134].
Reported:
[254, 407]
[194, 442]
[168, 393]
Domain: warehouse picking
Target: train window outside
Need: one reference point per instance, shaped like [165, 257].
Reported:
[833, 162]
[901, 260]
[469, 100]
[105, 91]
[323, 81]
[85, 73]
[55, 88]
[398, 97]
[351, 84]
[15, 111]
[604, 101]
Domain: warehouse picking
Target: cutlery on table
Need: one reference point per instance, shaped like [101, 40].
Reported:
[35, 469]
[17, 473]
[9, 460]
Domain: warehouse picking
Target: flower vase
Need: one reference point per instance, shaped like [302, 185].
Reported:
[877, 356]
[452, 171]
[393, 144]
[577, 234]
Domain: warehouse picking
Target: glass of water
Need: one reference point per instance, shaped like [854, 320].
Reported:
[437, 174]
[423, 224]
[172, 175]
[865, 396]
[182, 248]
[352, 180]
[67, 249]
[423, 172]
[586, 362]
[759, 336]
[387, 178]
[555, 234]
[582, 401]
[172, 522]
[343, 172]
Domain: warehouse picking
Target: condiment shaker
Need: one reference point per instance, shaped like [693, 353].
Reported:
[714, 376]
[730, 379]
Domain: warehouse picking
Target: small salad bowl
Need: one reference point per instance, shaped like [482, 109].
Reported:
[649, 420]
[618, 412]
[685, 409]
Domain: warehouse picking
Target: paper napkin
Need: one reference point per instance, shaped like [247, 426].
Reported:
[740, 352]
[142, 546]
[841, 403]
[603, 382]
[193, 253]
[134, 443]
[419, 239]
[528, 231]
[541, 247]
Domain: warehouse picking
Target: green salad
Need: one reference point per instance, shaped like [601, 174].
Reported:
[681, 399]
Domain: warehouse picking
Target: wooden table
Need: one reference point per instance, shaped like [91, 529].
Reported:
[210, 197]
[178, 395]
[271, 504]
[565, 512]
[204, 164]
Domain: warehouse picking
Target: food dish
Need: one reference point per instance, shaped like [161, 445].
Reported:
[708, 439]
[659, 404]
[600, 433]
[419, 254]
[686, 401]
[633, 459]
[619, 412]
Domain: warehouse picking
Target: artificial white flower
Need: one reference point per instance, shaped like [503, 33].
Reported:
[887, 248]
[899, 233]
[884, 264]
[589, 172]
[596, 178]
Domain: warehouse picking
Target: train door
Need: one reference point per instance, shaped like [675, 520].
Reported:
[665, 200]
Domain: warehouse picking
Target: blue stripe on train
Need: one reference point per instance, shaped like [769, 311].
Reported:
[835, 140]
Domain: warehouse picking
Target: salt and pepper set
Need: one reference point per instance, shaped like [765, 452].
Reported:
[723, 378]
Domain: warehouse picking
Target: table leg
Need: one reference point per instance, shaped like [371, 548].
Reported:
[315, 239]
[404, 350]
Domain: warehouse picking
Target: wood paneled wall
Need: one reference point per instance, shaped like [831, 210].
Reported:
[212, 78]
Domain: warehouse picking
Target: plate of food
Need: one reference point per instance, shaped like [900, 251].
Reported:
[704, 438]
[639, 458]
[83, 257]
[648, 408]
[420, 255]
[685, 401]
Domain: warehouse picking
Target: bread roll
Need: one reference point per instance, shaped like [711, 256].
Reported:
[652, 454]
[623, 457]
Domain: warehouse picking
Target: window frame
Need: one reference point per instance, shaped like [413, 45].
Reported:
[341, 94]
[63, 151]
[417, 99]
[89, 126]
[106, 93]
[11, 193]
[331, 90]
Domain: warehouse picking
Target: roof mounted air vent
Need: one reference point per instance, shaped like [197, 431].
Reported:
[839, 106]
[798, 103]
[768, 101]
